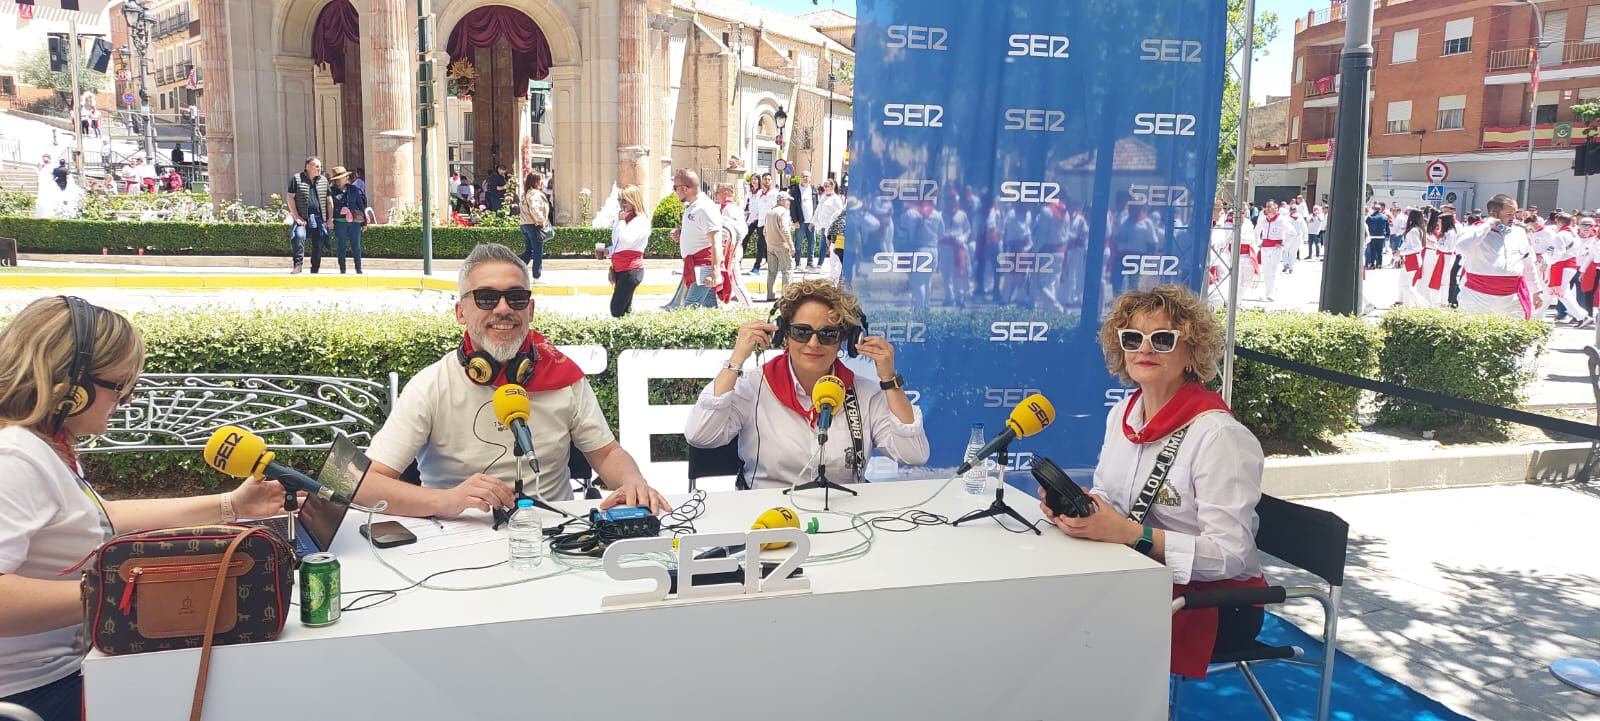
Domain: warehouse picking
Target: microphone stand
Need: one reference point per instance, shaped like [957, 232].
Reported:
[822, 476]
[999, 507]
[502, 516]
[291, 503]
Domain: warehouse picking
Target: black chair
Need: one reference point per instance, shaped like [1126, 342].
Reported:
[1307, 538]
[720, 461]
[13, 712]
[578, 469]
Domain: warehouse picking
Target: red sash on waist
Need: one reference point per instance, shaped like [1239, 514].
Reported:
[1587, 280]
[1556, 271]
[1194, 630]
[690, 262]
[626, 260]
[1413, 263]
[1270, 243]
[1445, 259]
[1492, 284]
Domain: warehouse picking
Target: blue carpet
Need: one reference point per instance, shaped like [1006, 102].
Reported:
[1359, 693]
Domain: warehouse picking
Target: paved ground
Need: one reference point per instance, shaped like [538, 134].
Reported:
[1467, 595]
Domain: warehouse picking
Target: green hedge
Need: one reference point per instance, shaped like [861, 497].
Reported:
[669, 212]
[1477, 357]
[1276, 403]
[41, 235]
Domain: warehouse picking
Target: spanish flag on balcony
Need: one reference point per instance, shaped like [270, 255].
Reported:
[1514, 137]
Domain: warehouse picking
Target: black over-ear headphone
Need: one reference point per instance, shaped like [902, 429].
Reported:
[484, 370]
[851, 339]
[80, 390]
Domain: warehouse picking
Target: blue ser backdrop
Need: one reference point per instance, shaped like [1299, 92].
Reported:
[1014, 167]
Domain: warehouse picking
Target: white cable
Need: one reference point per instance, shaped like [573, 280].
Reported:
[372, 546]
[860, 523]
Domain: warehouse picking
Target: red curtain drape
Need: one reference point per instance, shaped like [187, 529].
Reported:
[336, 25]
[482, 27]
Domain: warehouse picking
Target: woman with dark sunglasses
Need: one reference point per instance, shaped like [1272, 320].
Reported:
[769, 409]
[1178, 477]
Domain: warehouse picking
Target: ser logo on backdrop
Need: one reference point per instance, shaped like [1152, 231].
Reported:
[913, 115]
[1026, 263]
[1019, 331]
[1024, 45]
[905, 262]
[1029, 191]
[1006, 397]
[1115, 395]
[1036, 120]
[1176, 196]
[1164, 124]
[1150, 265]
[1161, 50]
[917, 37]
[900, 331]
[912, 189]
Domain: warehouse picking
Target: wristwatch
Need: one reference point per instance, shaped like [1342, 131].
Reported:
[1146, 542]
[894, 383]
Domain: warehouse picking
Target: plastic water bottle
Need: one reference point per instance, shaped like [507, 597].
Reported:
[527, 536]
[976, 477]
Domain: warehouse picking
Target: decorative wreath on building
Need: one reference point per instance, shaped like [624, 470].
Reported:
[462, 78]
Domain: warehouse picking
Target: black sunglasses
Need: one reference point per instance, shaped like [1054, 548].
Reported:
[802, 333]
[124, 391]
[1161, 341]
[489, 298]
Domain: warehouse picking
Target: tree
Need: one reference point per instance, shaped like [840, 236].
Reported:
[33, 68]
[1265, 31]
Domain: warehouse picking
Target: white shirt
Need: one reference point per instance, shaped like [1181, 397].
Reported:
[766, 200]
[776, 443]
[1555, 245]
[1297, 232]
[630, 235]
[828, 210]
[446, 423]
[1447, 242]
[48, 522]
[1542, 239]
[1274, 229]
[1314, 224]
[1216, 476]
[1485, 252]
[808, 204]
[1412, 242]
[700, 219]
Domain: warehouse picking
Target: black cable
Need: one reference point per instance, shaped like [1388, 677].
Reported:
[681, 519]
[503, 449]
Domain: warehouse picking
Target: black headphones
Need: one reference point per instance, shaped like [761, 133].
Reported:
[852, 338]
[484, 370]
[80, 390]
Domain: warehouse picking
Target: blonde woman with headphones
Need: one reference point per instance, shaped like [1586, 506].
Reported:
[65, 368]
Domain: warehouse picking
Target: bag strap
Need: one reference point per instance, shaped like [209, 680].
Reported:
[211, 623]
[1158, 476]
[854, 458]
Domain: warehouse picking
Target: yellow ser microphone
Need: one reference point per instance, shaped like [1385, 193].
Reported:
[826, 398]
[1033, 414]
[511, 408]
[239, 453]
[776, 517]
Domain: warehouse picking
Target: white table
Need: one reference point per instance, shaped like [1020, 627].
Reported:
[940, 623]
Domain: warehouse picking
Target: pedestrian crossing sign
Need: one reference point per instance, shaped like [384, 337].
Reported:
[1435, 194]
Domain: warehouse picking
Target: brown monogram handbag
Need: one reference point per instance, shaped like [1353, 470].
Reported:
[188, 588]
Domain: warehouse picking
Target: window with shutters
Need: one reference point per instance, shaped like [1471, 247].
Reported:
[1299, 69]
[1458, 37]
[1545, 104]
[1452, 112]
[1405, 47]
[1399, 117]
[1294, 128]
[1591, 25]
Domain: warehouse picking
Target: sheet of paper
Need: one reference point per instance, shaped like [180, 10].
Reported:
[438, 535]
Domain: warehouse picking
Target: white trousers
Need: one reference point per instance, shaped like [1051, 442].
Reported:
[1271, 261]
[1483, 304]
[1567, 295]
[1411, 290]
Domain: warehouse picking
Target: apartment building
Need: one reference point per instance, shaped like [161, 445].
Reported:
[1451, 82]
[174, 56]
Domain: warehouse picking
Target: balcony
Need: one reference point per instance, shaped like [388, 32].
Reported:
[1510, 59]
[1580, 52]
[1269, 155]
[1315, 149]
[1334, 13]
[1326, 85]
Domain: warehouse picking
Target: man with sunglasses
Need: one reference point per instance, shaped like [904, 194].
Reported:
[445, 419]
[1497, 258]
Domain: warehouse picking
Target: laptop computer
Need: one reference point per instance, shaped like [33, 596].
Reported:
[318, 520]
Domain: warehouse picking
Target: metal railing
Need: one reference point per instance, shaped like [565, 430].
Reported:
[1316, 88]
[1581, 52]
[1510, 58]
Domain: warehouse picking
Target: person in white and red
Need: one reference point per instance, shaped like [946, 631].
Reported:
[1413, 255]
[762, 202]
[1295, 239]
[1498, 263]
[1271, 231]
[1560, 253]
[729, 289]
[698, 244]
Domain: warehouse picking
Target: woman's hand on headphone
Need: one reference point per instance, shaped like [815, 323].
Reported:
[753, 336]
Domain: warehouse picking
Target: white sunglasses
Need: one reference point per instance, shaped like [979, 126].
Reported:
[1162, 341]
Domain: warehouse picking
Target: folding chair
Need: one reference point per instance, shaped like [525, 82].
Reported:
[13, 712]
[720, 461]
[1309, 539]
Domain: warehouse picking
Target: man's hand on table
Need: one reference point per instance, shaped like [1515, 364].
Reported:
[479, 491]
[637, 493]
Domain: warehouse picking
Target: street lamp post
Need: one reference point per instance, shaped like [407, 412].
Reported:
[833, 68]
[781, 120]
[1533, 99]
[139, 22]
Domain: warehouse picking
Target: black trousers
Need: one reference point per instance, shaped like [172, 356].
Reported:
[56, 701]
[1237, 627]
[622, 295]
[761, 246]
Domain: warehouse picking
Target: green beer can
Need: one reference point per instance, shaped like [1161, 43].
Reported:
[319, 590]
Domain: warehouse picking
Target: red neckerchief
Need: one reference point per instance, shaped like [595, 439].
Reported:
[1191, 401]
[553, 371]
[629, 217]
[1272, 218]
[62, 444]
[782, 381]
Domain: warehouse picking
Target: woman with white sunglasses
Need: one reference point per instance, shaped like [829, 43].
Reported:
[1178, 477]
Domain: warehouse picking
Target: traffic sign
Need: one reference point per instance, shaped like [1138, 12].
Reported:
[127, 98]
[780, 165]
[1438, 171]
[1435, 194]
